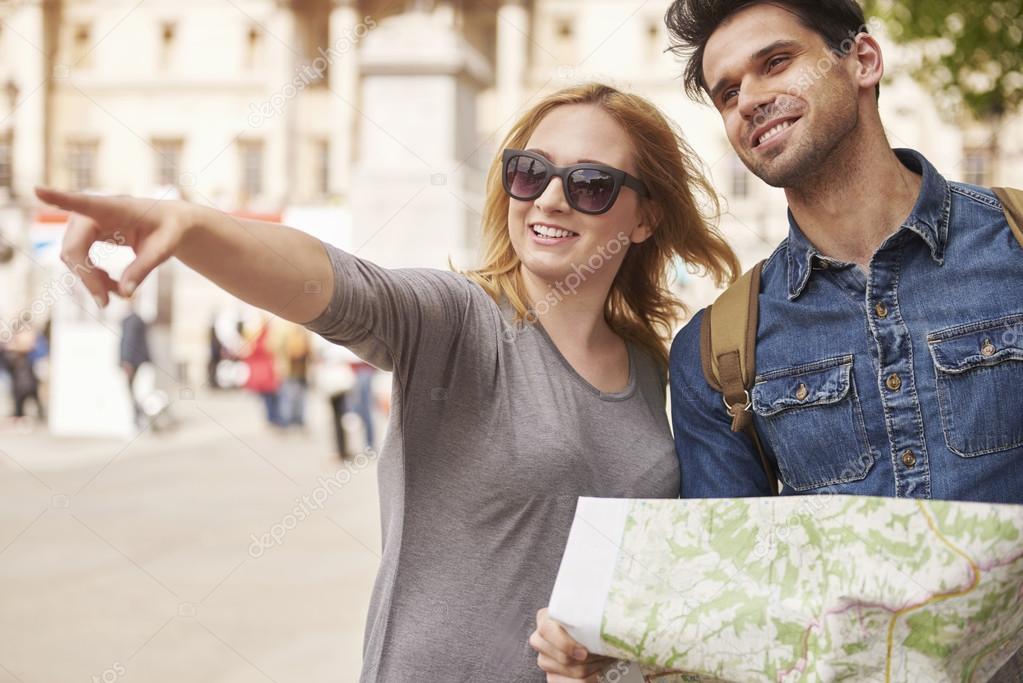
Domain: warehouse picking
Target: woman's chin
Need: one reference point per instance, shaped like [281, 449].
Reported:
[547, 273]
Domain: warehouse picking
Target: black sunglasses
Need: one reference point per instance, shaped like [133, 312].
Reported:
[589, 188]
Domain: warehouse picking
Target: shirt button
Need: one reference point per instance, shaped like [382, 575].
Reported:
[894, 382]
[802, 392]
[909, 459]
[881, 310]
[988, 349]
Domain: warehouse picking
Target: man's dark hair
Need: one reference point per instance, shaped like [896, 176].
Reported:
[691, 23]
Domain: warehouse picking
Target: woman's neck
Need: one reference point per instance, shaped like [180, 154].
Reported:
[573, 317]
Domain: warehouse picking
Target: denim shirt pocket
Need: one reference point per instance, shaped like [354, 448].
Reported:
[979, 377]
[814, 423]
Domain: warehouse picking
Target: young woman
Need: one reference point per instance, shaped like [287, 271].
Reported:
[518, 387]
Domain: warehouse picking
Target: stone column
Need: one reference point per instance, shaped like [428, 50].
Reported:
[279, 145]
[512, 57]
[23, 109]
[412, 186]
[347, 29]
[28, 120]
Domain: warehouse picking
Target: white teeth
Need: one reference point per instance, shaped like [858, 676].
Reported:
[547, 231]
[774, 131]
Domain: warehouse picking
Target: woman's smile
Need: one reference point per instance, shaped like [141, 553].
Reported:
[550, 234]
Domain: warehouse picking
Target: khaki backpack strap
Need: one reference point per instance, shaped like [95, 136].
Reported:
[1012, 200]
[728, 339]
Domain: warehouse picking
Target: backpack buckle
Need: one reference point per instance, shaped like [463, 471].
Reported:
[730, 409]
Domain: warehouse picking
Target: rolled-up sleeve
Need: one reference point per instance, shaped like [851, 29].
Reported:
[387, 317]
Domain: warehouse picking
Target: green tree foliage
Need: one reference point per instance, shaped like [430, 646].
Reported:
[970, 51]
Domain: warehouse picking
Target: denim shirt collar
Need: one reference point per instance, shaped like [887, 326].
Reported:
[929, 220]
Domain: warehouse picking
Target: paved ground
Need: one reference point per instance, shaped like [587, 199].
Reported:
[142, 560]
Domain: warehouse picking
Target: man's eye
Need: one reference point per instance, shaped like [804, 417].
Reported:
[729, 94]
[775, 62]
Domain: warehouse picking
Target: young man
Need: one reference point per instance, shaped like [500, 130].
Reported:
[889, 352]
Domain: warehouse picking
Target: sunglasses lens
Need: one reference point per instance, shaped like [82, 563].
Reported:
[526, 177]
[590, 189]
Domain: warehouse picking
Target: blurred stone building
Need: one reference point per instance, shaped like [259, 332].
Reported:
[370, 123]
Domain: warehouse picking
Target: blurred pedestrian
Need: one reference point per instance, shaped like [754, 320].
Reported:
[293, 360]
[24, 383]
[134, 352]
[227, 345]
[6, 383]
[263, 378]
[363, 395]
[40, 358]
[216, 355]
[335, 379]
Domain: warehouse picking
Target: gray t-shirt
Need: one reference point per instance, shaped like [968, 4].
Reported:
[492, 437]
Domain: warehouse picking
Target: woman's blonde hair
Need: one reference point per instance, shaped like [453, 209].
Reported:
[640, 306]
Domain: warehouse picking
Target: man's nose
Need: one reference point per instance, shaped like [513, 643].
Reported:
[755, 104]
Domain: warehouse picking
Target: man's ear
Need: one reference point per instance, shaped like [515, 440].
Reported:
[869, 61]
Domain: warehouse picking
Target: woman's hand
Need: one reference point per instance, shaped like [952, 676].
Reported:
[273, 267]
[152, 228]
[562, 657]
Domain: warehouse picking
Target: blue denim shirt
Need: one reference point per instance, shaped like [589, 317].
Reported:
[907, 382]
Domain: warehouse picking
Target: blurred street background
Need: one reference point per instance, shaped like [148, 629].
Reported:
[187, 487]
[185, 556]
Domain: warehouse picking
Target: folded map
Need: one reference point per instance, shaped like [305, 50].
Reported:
[796, 588]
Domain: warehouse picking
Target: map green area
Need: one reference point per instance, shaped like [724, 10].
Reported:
[821, 588]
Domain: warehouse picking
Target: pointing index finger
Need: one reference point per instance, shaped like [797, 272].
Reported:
[93, 206]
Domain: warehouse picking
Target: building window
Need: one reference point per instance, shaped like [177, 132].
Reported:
[253, 48]
[81, 164]
[6, 161]
[740, 180]
[654, 46]
[252, 168]
[81, 45]
[167, 155]
[977, 166]
[323, 167]
[168, 34]
[564, 41]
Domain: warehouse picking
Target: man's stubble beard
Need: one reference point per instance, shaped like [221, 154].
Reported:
[817, 154]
